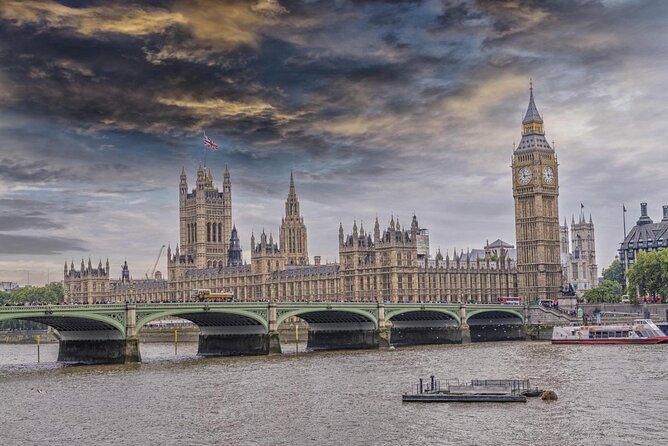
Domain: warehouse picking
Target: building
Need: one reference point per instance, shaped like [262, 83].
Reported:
[644, 236]
[578, 254]
[536, 193]
[8, 286]
[205, 216]
[392, 264]
[88, 284]
[389, 265]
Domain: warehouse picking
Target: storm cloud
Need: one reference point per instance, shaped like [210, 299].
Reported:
[379, 107]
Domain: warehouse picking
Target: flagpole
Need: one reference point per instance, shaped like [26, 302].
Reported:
[205, 149]
[626, 254]
[624, 218]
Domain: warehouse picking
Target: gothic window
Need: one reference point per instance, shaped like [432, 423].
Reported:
[220, 232]
[208, 235]
[213, 233]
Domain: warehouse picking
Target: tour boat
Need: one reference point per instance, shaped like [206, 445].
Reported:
[641, 331]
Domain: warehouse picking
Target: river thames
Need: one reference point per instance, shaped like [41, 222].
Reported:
[608, 395]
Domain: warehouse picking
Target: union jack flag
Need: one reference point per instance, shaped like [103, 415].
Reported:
[208, 142]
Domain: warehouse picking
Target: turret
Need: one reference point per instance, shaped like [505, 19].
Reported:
[201, 178]
[376, 231]
[234, 254]
[414, 226]
[183, 184]
[227, 183]
[340, 234]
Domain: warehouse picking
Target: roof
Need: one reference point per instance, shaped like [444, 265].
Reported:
[640, 235]
[532, 114]
[498, 243]
[534, 142]
[307, 270]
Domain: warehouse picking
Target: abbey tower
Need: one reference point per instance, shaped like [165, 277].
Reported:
[536, 193]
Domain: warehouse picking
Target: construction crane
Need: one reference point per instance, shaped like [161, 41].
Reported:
[155, 265]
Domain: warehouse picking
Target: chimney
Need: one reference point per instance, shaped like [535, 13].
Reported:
[644, 218]
[665, 212]
[316, 259]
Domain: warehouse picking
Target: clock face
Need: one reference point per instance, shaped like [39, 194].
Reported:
[548, 175]
[524, 176]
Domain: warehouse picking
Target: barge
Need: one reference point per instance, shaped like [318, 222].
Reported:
[475, 391]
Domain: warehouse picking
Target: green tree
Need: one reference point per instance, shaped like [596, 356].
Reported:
[615, 272]
[608, 291]
[649, 274]
[52, 293]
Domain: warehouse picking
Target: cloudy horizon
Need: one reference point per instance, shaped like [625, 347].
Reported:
[379, 108]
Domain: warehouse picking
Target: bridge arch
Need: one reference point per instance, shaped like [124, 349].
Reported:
[208, 317]
[326, 315]
[495, 324]
[494, 313]
[76, 322]
[423, 313]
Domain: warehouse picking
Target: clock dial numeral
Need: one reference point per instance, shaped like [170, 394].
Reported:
[524, 176]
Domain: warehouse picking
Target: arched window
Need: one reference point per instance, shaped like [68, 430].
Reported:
[208, 234]
[213, 233]
[220, 232]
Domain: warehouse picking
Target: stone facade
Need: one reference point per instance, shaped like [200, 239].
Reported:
[578, 254]
[536, 193]
[88, 285]
[205, 216]
[387, 266]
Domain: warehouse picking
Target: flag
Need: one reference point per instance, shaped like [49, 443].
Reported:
[582, 206]
[209, 143]
[624, 207]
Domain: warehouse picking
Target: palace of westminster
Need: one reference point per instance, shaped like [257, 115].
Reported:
[392, 264]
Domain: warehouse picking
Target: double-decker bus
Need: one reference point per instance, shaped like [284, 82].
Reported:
[206, 295]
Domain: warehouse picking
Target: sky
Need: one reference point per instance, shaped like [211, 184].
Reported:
[379, 108]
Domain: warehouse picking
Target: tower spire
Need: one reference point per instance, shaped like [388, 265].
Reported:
[532, 122]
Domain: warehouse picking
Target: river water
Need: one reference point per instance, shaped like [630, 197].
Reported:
[608, 395]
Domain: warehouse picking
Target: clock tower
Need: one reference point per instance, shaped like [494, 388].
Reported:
[536, 193]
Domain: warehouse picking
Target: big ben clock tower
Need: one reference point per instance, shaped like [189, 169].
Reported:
[536, 193]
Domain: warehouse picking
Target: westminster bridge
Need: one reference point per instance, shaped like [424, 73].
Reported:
[108, 333]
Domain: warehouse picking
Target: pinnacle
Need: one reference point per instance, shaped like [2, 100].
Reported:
[532, 114]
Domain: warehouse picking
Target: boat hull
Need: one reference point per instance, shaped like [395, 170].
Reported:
[450, 398]
[656, 340]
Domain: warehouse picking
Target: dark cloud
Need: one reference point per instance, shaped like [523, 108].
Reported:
[38, 245]
[376, 104]
[34, 172]
[30, 221]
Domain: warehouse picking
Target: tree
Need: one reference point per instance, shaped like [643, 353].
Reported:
[608, 291]
[52, 293]
[615, 272]
[649, 274]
